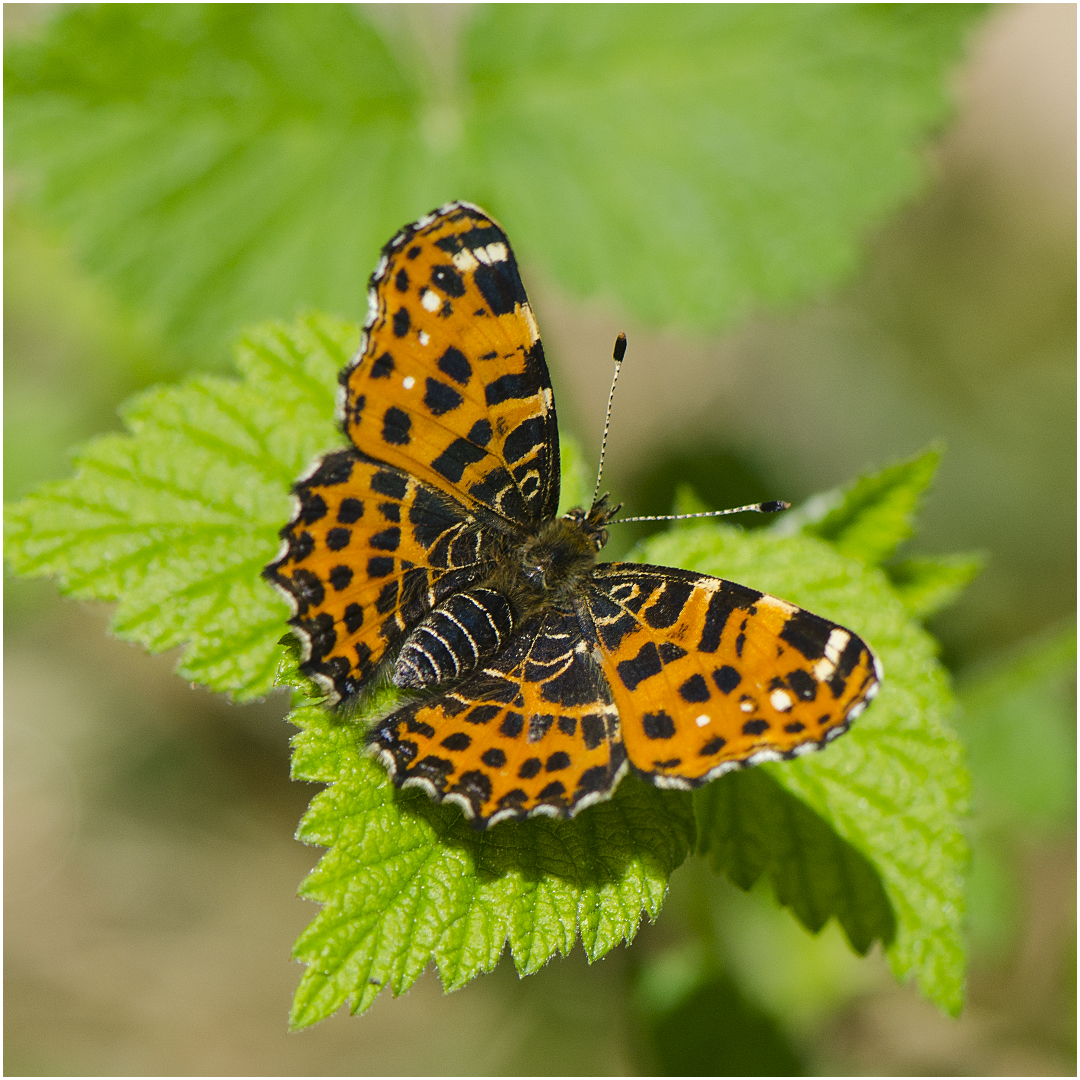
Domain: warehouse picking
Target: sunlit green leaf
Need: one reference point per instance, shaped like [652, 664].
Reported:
[176, 519]
[868, 519]
[407, 882]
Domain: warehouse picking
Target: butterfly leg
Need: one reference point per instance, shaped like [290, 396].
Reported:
[455, 638]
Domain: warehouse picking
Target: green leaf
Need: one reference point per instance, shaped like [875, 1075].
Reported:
[749, 825]
[176, 519]
[407, 882]
[894, 788]
[222, 164]
[1018, 716]
[928, 584]
[870, 517]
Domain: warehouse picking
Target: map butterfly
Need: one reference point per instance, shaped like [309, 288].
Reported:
[429, 553]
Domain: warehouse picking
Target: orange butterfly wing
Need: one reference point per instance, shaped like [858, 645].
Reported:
[708, 675]
[370, 551]
[451, 383]
[535, 732]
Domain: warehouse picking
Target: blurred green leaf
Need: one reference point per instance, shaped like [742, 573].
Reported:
[176, 519]
[222, 164]
[870, 517]
[716, 1031]
[894, 787]
[928, 584]
[407, 882]
[749, 825]
[1018, 717]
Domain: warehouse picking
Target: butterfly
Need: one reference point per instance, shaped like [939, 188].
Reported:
[430, 554]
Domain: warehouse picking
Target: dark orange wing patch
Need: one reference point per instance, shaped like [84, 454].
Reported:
[451, 383]
[370, 551]
[709, 675]
[533, 733]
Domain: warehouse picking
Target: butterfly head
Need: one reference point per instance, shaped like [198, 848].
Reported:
[554, 559]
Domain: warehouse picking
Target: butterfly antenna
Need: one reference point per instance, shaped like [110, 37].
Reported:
[757, 508]
[618, 354]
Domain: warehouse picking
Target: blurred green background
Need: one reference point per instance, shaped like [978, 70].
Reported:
[150, 871]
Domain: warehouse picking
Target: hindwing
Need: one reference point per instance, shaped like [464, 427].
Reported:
[708, 675]
[369, 552]
[535, 732]
[451, 384]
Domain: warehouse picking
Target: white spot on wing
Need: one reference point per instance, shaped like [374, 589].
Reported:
[780, 700]
[763, 755]
[703, 720]
[408, 382]
[530, 320]
[424, 339]
[836, 644]
[430, 301]
[496, 252]
[747, 706]
[776, 602]
[465, 261]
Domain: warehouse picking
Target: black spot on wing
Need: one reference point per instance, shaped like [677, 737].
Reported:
[807, 633]
[350, 511]
[382, 367]
[312, 507]
[390, 482]
[401, 322]
[480, 433]
[694, 690]
[514, 385]
[643, 666]
[354, 618]
[334, 469]
[440, 398]
[526, 437]
[726, 679]
[512, 725]
[803, 683]
[340, 577]
[658, 725]
[396, 426]
[667, 609]
[593, 730]
[727, 599]
[454, 363]
[530, 768]
[448, 279]
[456, 458]
[338, 538]
[500, 285]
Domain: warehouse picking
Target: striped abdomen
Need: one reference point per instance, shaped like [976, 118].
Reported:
[466, 629]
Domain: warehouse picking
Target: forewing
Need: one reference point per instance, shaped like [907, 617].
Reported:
[451, 383]
[709, 675]
[370, 551]
[533, 733]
